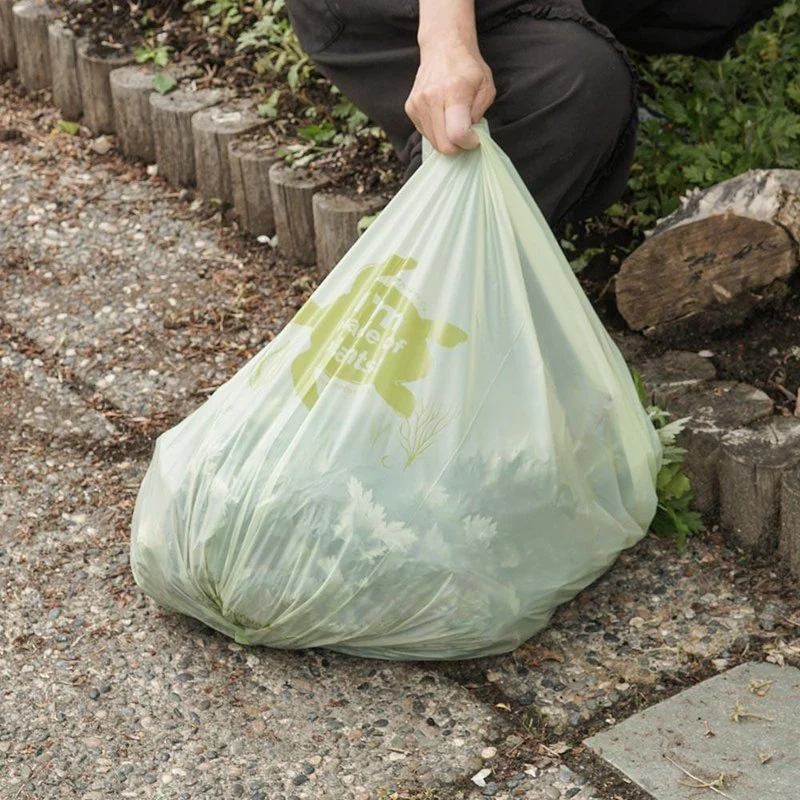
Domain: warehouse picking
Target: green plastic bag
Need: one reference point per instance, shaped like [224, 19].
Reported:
[440, 448]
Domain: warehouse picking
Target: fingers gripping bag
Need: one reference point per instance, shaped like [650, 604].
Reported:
[441, 447]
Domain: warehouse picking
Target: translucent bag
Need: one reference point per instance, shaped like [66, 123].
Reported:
[441, 447]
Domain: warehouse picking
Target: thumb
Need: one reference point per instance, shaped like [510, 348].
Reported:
[458, 121]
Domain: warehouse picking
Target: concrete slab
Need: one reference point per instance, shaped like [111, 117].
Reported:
[738, 732]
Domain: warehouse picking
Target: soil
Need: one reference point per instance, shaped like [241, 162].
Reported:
[114, 27]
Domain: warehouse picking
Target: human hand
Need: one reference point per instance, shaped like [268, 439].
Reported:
[452, 91]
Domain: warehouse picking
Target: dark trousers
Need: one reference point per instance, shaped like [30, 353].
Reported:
[566, 107]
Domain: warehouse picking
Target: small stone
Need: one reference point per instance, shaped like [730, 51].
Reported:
[720, 663]
[636, 622]
[299, 780]
[152, 170]
[573, 791]
[706, 354]
[101, 145]
[94, 693]
[237, 790]
[565, 775]
[54, 613]
[688, 613]
[488, 753]
[479, 778]
[184, 677]
[552, 793]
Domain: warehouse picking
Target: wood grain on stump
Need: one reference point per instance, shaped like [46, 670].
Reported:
[714, 409]
[131, 88]
[8, 46]
[336, 218]
[94, 73]
[717, 258]
[292, 202]
[171, 116]
[751, 467]
[31, 21]
[250, 161]
[790, 521]
[213, 130]
[64, 63]
[676, 372]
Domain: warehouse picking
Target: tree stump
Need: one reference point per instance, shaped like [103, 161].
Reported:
[131, 88]
[336, 218]
[751, 467]
[31, 21]
[171, 116]
[729, 250]
[213, 130]
[676, 372]
[790, 521]
[250, 161]
[64, 63]
[8, 42]
[94, 72]
[714, 409]
[292, 202]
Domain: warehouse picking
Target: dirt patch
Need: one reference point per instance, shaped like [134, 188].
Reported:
[364, 160]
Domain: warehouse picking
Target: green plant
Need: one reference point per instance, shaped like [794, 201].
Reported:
[712, 120]
[272, 32]
[155, 54]
[674, 516]
[164, 83]
[219, 16]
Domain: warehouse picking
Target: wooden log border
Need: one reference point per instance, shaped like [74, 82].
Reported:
[108, 93]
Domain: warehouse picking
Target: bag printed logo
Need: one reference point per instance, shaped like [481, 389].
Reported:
[373, 334]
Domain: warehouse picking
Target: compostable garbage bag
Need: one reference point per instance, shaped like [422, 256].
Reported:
[441, 447]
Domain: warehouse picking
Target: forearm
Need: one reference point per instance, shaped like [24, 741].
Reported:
[447, 21]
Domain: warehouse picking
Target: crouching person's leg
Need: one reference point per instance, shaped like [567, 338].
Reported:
[565, 110]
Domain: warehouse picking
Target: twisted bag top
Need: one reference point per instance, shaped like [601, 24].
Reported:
[441, 447]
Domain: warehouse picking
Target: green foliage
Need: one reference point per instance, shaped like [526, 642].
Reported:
[70, 128]
[155, 54]
[269, 109]
[674, 516]
[282, 54]
[164, 83]
[219, 16]
[716, 119]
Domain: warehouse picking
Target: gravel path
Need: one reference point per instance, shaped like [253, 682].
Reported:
[121, 304]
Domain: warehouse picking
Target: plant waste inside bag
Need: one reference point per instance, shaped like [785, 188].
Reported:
[440, 448]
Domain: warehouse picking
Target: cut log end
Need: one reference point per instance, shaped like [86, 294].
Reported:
[213, 129]
[710, 271]
[94, 75]
[714, 409]
[751, 468]
[250, 161]
[8, 42]
[31, 19]
[715, 259]
[292, 201]
[64, 62]
[171, 117]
